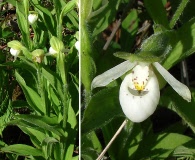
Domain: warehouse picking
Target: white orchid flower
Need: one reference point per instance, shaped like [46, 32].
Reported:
[52, 51]
[32, 18]
[77, 45]
[139, 92]
[14, 52]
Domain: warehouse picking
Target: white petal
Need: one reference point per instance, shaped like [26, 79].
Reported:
[179, 87]
[139, 106]
[77, 45]
[14, 52]
[52, 51]
[112, 74]
[32, 18]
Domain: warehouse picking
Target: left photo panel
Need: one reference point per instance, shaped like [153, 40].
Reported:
[39, 84]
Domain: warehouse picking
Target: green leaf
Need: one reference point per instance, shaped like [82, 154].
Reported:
[183, 151]
[21, 149]
[103, 17]
[185, 109]
[46, 16]
[54, 81]
[13, 2]
[5, 113]
[35, 135]
[98, 11]
[178, 12]
[129, 30]
[73, 16]
[159, 146]
[102, 108]
[48, 146]
[32, 97]
[72, 133]
[183, 44]
[153, 49]
[6, 32]
[188, 12]
[21, 9]
[157, 12]
[90, 145]
[39, 122]
[58, 7]
[67, 8]
[158, 45]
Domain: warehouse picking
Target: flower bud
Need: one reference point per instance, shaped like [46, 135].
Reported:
[52, 51]
[32, 18]
[77, 45]
[15, 48]
[14, 52]
[57, 44]
[38, 55]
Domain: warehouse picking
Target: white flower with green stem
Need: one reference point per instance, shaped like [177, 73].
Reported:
[140, 92]
[32, 17]
[56, 46]
[15, 48]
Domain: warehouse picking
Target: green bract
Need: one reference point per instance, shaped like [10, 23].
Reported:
[57, 44]
[153, 49]
[15, 45]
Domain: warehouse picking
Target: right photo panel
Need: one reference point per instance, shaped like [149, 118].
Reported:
[137, 75]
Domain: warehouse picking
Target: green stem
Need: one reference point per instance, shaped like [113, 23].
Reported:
[36, 36]
[61, 70]
[112, 140]
[88, 69]
[41, 89]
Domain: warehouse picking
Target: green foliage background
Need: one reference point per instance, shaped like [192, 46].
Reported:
[48, 110]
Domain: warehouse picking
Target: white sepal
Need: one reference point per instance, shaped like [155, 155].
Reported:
[112, 74]
[179, 87]
[139, 105]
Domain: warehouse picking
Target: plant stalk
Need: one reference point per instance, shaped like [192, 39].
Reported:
[112, 140]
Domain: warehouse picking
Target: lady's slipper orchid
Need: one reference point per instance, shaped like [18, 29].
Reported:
[15, 48]
[14, 52]
[52, 51]
[32, 18]
[139, 92]
[56, 46]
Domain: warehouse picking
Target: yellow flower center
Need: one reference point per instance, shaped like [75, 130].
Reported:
[138, 86]
[140, 77]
